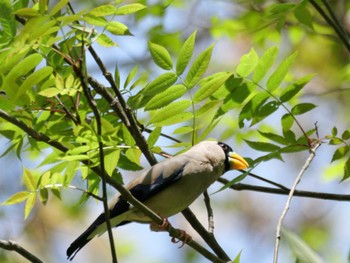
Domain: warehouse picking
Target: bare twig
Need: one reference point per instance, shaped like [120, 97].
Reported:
[333, 23]
[210, 213]
[209, 238]
[299, 193]
[290, 196]
[14, 246]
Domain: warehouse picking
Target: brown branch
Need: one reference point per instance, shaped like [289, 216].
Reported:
[297, 193]
[14, 246]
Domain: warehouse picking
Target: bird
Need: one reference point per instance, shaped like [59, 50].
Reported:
[167, 187]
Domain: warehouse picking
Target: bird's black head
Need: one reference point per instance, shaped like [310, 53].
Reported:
[227, 149]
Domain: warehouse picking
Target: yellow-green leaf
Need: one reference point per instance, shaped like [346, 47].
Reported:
[164, 98]
[160, 56]
[29, 180]
[199, 67]
[29, 204]
[117, 28]
[247, 64]
[129, 9]
[103, 10]
[170, 111]
[185, 54]
[17, 198]
[161, 83]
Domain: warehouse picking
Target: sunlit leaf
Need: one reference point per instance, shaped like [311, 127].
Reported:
[29, 204]
[105, 41]
[265, 63]
[153, 137]
[164, 98]
[58, 7]
[160, 56]
[185, 54]
[280, 73]
[287, 122]
[29, 180]
[247, 64]
[262, 146]
[209, 87]
[103, 10]
[111, 158]
[170, 111]
[274, 137]
[199, 67]
[161, 83]
[346, 170]
[17, 198]
[118, 28]
[129, 9]
[174, 119]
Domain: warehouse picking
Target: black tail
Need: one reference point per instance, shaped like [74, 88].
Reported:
[84, 238]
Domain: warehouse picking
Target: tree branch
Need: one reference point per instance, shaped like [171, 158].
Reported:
[299, 193]
[93, 106]
[14, 246]
[289, 200]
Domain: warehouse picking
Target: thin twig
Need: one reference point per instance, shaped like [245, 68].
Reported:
[209, 238]
[298, 193]
[93, 106]
[290, 196]
[210, 212]
[14, 246]
[340, 32]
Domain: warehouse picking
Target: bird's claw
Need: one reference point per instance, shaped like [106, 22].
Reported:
[184, 237]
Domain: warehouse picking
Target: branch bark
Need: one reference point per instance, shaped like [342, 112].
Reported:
[14, 246]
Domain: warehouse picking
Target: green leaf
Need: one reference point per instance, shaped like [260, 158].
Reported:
[44, 196]
[346, 135]
[183, 130]
[264, 111]
[177, 118]
[280, 73]
[294, 89]
[79, 157]
[117, 28]
[164, 98]
[160, 56]
[153, 137]
[263, 146]
[185, 54]
[274, 137]
[247, 64]
[159, 84]
[170, 111]
[302, 108]
[49, 92]
[265, 63]
[29, 204]
[17, 198]
[209, 87]
[287, 122]
[199, 67]
[341, 152]
[103, 10]
[58, 7]
[335, 141]
[302, 251]
[130, 76]
[105, 41]
[34, 79]
[29, 180]
[303, 14]
[129, 9]
[346, 170]
[111, 158]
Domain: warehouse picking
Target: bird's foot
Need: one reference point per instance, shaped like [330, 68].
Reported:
[165, 226]
[184, 237]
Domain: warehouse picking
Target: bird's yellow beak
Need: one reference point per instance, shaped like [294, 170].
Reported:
[237, 162]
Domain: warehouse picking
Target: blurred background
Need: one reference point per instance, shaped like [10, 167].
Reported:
[245, 221]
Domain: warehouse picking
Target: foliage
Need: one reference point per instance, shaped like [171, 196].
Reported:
[48, 92]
